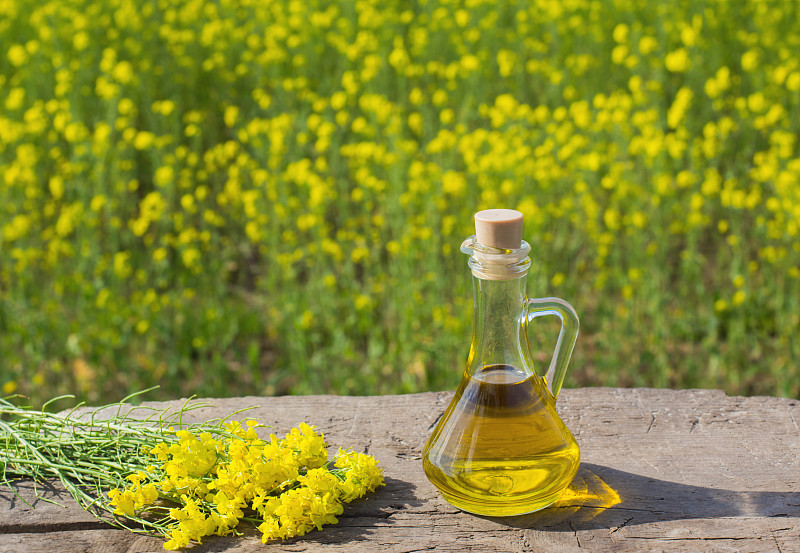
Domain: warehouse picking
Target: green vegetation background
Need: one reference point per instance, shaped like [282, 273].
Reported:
[252, 197]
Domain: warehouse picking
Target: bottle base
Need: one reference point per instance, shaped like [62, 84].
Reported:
[502, 508]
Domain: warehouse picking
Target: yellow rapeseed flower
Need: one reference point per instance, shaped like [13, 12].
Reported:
[123, 72]
[362, 302]
[620, 33]
[80, 41]
[750, 60]
[164, 175]
[15, 98]
[17, 55]
[647, 45]
[677, 61]
[143, 140]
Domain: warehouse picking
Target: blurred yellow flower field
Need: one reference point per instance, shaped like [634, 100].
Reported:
[248, 197]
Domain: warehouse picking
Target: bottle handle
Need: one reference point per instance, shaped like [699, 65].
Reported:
[567, 336]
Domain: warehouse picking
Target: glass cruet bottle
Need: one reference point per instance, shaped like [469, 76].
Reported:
[500, 448]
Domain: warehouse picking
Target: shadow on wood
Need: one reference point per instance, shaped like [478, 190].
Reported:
[37, 500]
[602, 497]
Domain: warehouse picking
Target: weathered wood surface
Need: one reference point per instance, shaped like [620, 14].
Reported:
[693, 470]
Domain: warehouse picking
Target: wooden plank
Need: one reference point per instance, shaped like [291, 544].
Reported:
[662, 470]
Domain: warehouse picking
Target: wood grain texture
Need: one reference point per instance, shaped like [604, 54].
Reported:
[661, 470]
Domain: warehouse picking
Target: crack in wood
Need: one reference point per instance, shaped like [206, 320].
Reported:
[692, 538]
[354, 424]
[52, 527]
[648, 511]
[777, 545]
[575, 533]
[433, 425]
[379, 514]
[791, 416]
[621, 526]
[526, 543]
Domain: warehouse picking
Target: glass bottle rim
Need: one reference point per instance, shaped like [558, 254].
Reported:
[491, 263]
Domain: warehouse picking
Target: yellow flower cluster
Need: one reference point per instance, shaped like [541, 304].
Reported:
[134, 497]
[287, 484]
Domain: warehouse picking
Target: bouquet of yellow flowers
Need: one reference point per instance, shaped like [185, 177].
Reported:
[145, 475]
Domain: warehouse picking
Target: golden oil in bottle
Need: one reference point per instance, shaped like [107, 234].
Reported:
[500, 449]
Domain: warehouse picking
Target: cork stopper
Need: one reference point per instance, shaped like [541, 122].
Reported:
[499, 228]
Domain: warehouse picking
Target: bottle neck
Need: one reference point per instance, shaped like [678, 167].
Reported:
[499, 336]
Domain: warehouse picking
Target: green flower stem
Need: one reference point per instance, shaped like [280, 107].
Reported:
[56, 468]
[88, 454]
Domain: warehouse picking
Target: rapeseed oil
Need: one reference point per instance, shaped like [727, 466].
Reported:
[500, 449]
